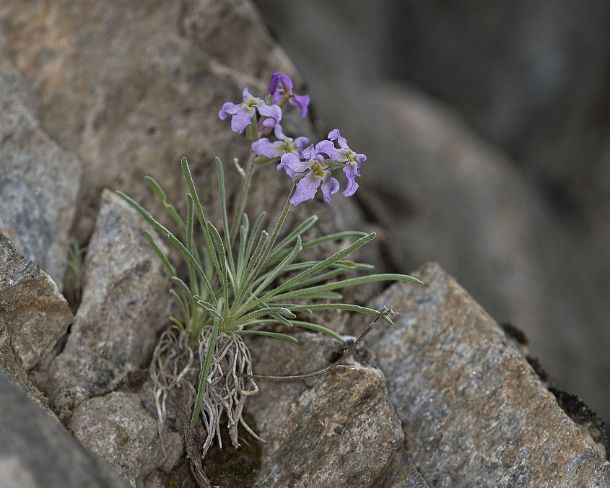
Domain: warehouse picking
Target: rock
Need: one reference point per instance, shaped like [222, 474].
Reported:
[33, 314]
[333, 430]
[402, 473]
[154, 100]
[512, 237]
[524, 84]
[125, 304]
[39, 182]
[37, 452]
[473, 411]
[122, 431]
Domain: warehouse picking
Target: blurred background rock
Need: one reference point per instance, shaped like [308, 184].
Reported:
[486, 126]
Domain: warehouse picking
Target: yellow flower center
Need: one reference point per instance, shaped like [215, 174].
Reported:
[351, 157]
[289, 147]
[318, 170]
[251, 103]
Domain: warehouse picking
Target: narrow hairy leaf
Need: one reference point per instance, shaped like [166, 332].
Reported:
[361, 280]
[334, 237]
[320, 266]
[162, 197]
[151, 242]
[310, 307]
[211, 350]
[223, 213]
[167, 234]
[274, 335]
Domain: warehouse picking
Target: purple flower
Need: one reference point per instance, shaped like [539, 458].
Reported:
[312, 174]
[242, 113]
[280, 89]
[276, 149]
[350, 158]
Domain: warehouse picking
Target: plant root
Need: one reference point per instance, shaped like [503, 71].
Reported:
[229, 384]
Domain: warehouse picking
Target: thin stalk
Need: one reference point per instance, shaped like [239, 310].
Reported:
[279, 224]
[241, 200]
[205, 372]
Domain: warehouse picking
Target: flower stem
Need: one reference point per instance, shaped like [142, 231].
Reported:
[279, 224]
[241, 201]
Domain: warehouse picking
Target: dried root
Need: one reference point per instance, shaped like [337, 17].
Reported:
[228, 386]
[229, 382]
[170, 367]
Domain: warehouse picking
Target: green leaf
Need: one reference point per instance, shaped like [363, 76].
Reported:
[203, 378]
[336, 306]
[274, 335]
[189, 241]
[342, 264]
[167, 234]
[182, 286]
[334, 237]
[320, 266]
[223, 212]
[261, 312]
[346, 283]
[241, 253]
[301, 324]
[160, 194]
[181, 304]
[188, 177]
[317, 328]
[256, 228]
[297, 232]
[151, 242]
[269, 277]
[206, 305]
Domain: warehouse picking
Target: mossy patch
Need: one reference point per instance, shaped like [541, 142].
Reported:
[232, 467]
[228, 467]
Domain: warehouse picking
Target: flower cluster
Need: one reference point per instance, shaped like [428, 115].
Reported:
[310, 166]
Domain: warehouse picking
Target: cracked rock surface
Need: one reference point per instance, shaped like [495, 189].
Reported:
[125, 303]
[123, 431]
[39, 181]
[334, 430]
[33, 313]
[37, 452]
[473, 411]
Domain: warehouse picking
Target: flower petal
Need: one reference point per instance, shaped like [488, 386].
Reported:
[264, 147]
[292, 164]
[328, 148]
[335, 135]
[306, 189]
[280, 82]
[330, 187]
[242, 119]
[227, 109]
[351, 171]
[300, 143]
[301, 102]
[272, 111]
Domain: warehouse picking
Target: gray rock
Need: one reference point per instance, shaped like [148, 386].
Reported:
[451, 197]
[524, 84]
[155, 99]
[333, 430]
[125, 303]
[474, 412]
[33, 314]
[402, 473]
[123, 431]
[37, 452]
[39, 182]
